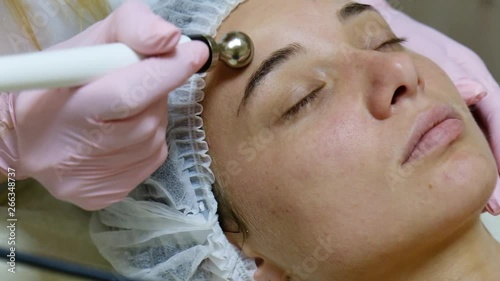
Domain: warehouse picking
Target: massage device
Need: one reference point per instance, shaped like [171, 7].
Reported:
[75, 67]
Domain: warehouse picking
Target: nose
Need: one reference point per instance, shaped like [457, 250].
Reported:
[391, 78]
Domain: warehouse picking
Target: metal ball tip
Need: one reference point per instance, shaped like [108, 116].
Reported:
[236, 49]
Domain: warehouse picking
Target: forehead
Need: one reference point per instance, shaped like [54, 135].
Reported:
[278, 18]
[272, 25]
[277, 23]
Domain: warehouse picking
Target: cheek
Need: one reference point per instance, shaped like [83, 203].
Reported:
[466, 179]
[462, 174]
[468, 176]
[438, 83]
[335, 166]
[341, 148]
[335, 140]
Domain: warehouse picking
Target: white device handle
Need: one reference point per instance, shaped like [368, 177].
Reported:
[65, 68]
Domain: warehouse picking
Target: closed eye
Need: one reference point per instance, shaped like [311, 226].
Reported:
[290, 113]
[302, 103]
[394, 42]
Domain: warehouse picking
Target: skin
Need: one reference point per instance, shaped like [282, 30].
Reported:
[324, 194]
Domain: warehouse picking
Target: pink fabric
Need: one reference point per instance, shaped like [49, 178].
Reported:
[8, 143]
[91, 145]
[465, 68]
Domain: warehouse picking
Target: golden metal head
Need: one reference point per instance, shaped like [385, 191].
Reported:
[236, 49]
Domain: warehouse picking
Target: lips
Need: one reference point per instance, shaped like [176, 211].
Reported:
[433, 130]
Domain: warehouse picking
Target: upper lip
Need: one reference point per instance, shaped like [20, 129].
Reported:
[424, 122]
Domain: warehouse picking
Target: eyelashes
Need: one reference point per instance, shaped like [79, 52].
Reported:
[390, 45]
[394, 42]
[301, 104]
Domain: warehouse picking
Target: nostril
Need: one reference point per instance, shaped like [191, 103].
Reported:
[399, 92]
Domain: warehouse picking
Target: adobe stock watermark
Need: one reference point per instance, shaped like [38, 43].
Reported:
[121, 107]
[313, 261]
[250, 149]
[38, 19]
[388, 13]
[399, 174]
[11, 220]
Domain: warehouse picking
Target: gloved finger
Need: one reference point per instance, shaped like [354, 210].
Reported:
[489, 106]
[141, 84]
[133, 24]
[130, 151]
[102, 196]
[113, 137]
[96, 188]
[490, 113]
[471, 91]
[493, 206]
[139, 28]
[475, 99]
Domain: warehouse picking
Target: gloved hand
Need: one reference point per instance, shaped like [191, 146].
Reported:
[465, 68]
[91, 145]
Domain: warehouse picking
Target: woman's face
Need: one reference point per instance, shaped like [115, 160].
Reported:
[313, 153]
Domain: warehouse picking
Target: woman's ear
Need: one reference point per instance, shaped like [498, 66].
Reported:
[266, 270]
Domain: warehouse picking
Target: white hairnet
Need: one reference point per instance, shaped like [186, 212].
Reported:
[167, 228]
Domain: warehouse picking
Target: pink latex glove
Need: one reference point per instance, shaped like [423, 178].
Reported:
[91, 145]
[465, 69]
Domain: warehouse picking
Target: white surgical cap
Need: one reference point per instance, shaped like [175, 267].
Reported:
[167, 228]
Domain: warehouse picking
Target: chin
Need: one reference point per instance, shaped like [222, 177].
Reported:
[462, 183]
[467, 179]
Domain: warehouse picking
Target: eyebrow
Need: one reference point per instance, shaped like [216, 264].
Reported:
[284, 55]
[276, 59]
[353, 9]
